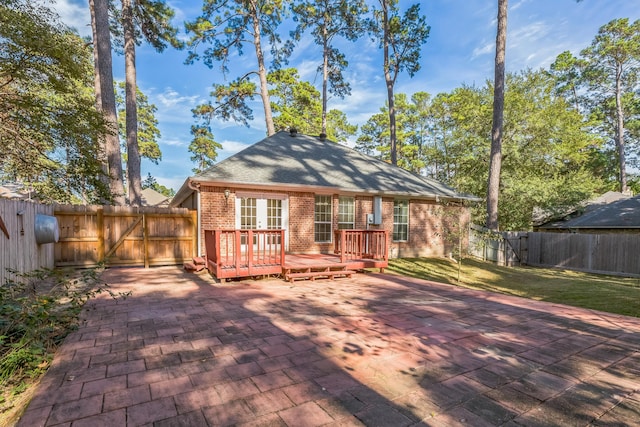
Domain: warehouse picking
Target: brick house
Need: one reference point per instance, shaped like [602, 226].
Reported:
[311, 187]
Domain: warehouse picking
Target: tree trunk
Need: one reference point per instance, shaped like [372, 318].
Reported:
[262, 74]
[133, 155]
[495, 161]
[620, 131]
[390, 83]
[325, 79]
[102, 45]
[102, 155]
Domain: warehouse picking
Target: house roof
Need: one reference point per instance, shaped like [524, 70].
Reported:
[151, 197]
[621, 214]
[15, 191]
[304, 161]
[542, 218]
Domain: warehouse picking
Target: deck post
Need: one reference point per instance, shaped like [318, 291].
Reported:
[237, 251]
[250, 251]
[343, 246]
[216, 252]
[282, 245]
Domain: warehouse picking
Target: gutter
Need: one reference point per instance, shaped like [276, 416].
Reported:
[334, 190]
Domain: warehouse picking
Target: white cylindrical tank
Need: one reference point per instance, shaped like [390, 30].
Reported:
[47, 230]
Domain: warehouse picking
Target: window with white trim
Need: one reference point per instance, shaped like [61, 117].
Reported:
[322, 219]
[346, 213]
[274, 214]
[248, 213]
[400, 220]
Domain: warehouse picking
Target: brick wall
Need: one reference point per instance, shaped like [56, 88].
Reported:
[432, 227]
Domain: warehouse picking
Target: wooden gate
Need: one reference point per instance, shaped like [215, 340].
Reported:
[124, 236]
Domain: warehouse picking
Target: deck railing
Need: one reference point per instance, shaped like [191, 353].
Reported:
[362, 244]
[241, 253]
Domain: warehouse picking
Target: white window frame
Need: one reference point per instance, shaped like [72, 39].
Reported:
[324, 222]
[399, 203]
[350, 202]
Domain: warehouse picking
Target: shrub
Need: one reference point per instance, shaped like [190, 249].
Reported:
[37, 311]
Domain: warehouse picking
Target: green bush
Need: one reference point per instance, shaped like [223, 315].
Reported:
[37, 311]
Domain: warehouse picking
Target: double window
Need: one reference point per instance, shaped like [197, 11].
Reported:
[322, 219]
[401, 220]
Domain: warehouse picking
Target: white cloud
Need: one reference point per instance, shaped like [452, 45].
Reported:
[308, 70]
[529, 35]
[173, 107]
[173, 142]
[74, 14]
[232, 147]
[171, 98]
[171, 182]
[518, 5]
[487, 48]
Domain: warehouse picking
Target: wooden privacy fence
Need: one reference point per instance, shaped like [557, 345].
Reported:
[508, 248]
[124, 236]
[18, 248]
[615, 253]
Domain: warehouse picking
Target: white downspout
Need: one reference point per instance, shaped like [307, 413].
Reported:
[199, 210]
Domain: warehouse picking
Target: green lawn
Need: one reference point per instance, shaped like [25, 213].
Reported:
[613, 294]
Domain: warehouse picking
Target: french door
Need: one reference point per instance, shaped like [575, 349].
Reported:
[254, 212]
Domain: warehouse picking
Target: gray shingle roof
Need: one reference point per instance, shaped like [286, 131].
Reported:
[151, 197]
[624, 213]
[304, 160]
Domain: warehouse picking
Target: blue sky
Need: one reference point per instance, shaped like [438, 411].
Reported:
[460, 50]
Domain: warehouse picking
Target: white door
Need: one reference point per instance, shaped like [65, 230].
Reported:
[255, 212]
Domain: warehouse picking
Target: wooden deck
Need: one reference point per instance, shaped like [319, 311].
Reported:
[313, 266]
[302, 260]
[229, 255]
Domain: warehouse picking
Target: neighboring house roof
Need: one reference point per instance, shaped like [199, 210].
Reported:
[543, 217]
[605, 199]
[304, 161]
[621, 214]
[15, 191]
[151, 197]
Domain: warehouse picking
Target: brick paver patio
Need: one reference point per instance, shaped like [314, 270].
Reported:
[375, 350]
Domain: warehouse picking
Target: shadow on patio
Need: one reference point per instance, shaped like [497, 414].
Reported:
[373, 350]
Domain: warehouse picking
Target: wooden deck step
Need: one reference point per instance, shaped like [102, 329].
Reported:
[312, 275]
[193, 267]
[314, 271]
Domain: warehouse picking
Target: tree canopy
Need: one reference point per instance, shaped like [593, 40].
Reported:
[48, 120]
[568, 132]
[400, 37]
[297, 104]
[327, 20]
[546, 150]
[226, 26]
[148, 133]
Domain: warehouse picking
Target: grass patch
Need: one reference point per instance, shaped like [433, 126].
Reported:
[613, 294]
[37, 311]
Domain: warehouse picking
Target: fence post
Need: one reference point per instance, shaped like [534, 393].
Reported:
[145, 236]
[194, 221]
[100, 230]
